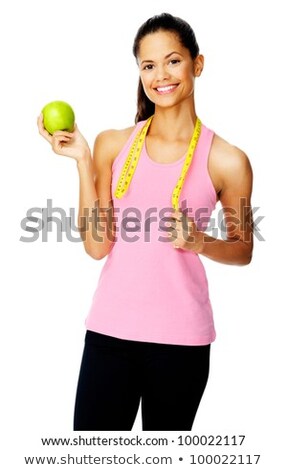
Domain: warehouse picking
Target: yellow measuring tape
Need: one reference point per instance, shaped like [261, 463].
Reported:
[134, 154]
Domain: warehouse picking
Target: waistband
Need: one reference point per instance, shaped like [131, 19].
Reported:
[103, 340]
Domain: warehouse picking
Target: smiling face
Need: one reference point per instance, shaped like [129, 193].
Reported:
[167, 70]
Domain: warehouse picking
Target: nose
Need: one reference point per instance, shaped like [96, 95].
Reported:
[162, 73]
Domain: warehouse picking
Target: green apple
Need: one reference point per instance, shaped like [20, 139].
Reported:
[58, 116]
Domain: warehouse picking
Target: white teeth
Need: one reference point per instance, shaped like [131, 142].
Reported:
[166, 88]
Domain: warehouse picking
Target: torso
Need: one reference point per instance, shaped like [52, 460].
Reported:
[220, 150]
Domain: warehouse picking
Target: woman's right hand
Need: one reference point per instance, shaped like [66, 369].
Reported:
[70, 144]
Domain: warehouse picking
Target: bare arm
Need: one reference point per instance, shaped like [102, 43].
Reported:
[95, 182]
[95, 204]
[235, 198]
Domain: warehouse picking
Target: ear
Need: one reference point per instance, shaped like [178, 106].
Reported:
[198, 65]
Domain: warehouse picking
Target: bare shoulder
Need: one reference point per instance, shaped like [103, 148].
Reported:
[227, 163]
[108, 144]
[106, 147]
[227, 154]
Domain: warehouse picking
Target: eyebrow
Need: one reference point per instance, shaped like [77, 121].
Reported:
[166, 57]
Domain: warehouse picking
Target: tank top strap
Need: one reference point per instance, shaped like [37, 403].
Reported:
[206, 142]
[124, 151]
[201, 163]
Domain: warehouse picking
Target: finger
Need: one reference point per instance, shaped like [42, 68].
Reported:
[176, 243]
[75, 132]
[176, 219]
[42, 129]
[61, 139]
[59, 136]
[174, 237]
[40, 121]
[63, 134]
[169, 235]
[60, 144]
[177, 224]
[177, 215]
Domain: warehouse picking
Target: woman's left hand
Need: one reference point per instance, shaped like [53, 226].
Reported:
[185, 234]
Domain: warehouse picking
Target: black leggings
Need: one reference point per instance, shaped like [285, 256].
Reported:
[116, 373]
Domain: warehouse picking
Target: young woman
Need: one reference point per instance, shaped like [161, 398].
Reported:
[146, 196]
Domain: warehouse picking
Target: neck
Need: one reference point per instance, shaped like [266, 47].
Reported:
[175, 122]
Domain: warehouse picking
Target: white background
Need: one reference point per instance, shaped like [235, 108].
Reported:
[80, 52]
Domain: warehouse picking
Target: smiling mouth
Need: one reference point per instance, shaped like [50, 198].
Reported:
[163, 90]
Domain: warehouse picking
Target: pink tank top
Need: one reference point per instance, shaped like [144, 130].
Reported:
[148, 290]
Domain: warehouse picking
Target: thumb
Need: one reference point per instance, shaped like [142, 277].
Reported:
[75, 128]
[177, 214]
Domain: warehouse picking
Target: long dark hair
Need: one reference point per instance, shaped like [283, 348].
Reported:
[185, 34]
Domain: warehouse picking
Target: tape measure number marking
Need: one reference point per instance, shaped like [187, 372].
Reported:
[134, 154]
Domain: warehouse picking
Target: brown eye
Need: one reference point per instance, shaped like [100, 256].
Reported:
[148, 67]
